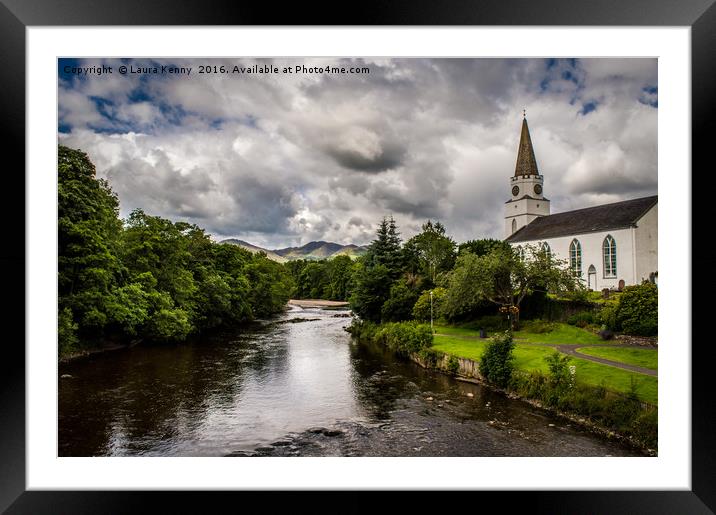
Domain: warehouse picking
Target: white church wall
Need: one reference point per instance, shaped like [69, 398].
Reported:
[592, 255]
[647, 244]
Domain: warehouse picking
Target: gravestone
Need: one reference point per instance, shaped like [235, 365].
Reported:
[621, 284]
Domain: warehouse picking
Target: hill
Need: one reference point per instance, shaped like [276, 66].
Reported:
[312, 250]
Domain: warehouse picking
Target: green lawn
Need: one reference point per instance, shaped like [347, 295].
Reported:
[562, 333]
[529, 357]
[647, 358]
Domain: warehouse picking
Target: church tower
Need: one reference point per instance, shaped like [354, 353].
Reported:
[528, 201]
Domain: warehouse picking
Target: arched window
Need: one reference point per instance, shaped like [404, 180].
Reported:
[514, 225]
[609, 254]
[575, 257]
[546, 249]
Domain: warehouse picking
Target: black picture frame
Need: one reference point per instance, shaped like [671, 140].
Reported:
[16, 15]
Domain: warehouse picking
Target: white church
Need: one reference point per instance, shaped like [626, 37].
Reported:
[608, 246]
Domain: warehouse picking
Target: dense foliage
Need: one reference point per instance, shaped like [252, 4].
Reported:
[325, 279]
[147, 278]
[404, 338]
[638, 310]
[504, 277]
[497, 362]
[422, 309]
[625, 414]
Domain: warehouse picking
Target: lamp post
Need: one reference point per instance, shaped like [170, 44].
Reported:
[431, 312]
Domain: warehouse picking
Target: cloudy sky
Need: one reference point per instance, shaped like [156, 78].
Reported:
[282, 159]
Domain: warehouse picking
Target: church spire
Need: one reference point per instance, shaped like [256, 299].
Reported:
[526, 163]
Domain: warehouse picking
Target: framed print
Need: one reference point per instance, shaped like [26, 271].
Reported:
[207, 175]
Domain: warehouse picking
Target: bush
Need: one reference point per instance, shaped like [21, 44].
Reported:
[401, 337]
[488, 323]
[607, 316]
[638, 310]
[558, 365]
[582, 319]
[537, 326]
[496, 363]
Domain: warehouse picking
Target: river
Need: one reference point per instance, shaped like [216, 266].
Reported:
[296, 385]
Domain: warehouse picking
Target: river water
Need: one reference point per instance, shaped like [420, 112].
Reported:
[297, 385]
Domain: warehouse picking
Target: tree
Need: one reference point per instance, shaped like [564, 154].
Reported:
[88, 232]
[504, 277]
[481, 247]
[371, 289]
[386, 248]
[432, 250]
[422, 308]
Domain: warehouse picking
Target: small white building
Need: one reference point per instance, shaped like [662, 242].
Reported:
[608, 246]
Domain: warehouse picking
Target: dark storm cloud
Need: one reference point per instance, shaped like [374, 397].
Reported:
[386, 157]
[280, 160]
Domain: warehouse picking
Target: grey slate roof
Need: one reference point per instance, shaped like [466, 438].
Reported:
[606, 217]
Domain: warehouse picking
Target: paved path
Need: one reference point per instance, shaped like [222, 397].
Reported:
[571, 350]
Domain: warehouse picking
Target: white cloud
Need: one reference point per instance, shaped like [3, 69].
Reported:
[285, 159]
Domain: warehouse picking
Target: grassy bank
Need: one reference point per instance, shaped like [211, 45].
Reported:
[606, 398]
[466, 343]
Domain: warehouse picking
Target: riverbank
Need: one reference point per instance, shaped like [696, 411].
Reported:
[620, 416]
[465, 369]
[317, 303]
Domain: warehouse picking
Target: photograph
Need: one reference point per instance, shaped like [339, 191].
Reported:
[357, 257]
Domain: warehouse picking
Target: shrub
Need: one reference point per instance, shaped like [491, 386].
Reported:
[607, 316]
[582, 319]
[558, 365]
[638, 310]
[404, 337]
[488, 323]
[453, 365]
[538, 326]
[496, 363]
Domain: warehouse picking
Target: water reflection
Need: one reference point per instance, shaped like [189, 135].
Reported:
[298, 389]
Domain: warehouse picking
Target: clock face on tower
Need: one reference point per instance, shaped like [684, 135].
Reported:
[515, 190]
[538, 189]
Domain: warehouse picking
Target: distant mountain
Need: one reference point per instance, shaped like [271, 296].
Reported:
[253, 248]
[312, 250]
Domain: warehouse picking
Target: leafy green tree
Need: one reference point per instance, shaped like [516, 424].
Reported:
[339, 277]
[504, 277]
[371, 289]
[88, 230]
[270, 286]
[399, 305]
[431, 250]
[482, 247]
[421, 309]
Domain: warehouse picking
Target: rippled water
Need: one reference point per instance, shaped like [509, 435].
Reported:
[295, 389]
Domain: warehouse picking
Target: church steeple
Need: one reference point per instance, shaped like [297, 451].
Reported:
[528, 201]
[526, 162]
